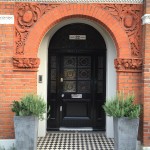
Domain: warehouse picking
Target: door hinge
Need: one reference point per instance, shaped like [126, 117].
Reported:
[60, 108]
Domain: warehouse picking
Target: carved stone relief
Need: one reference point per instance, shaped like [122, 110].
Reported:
[26, 15]
[129, 65]
[84, 1]
[26, 62]
[129, 17]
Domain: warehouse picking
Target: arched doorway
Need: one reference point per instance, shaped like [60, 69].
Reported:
[110, 70]
[76, 78]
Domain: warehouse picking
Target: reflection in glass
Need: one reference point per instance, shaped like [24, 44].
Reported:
[84, 61]
[84, 74]
[69, 61]
[53, 61]
[53, 74]
[69, 74]
[84, 86]
[53, 86]
[100, 87]
[100, 74]
[100, 62]
[69, 86]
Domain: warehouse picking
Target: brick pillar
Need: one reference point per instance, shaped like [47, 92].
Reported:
[146, 74]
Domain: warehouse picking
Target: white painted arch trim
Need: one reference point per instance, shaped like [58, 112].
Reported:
[81, 1]
[110, 70]
[146, 19]
[146, 148]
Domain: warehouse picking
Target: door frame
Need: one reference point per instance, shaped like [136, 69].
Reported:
[94, 123]
[110, 70]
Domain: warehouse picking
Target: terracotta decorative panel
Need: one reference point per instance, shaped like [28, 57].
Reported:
[26, 63]
[26, 15]
[129, 17]
[84, 1]
[128, 65]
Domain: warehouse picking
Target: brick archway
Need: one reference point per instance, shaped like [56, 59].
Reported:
[82, 11]
[122, 22]
[34, 20]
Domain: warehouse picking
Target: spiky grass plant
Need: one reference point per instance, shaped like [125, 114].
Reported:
[30, 105]
[122, 105]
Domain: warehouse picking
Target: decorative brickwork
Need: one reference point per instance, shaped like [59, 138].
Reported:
[128, 65]
[129, 17]
[26, 15]
[26, 62]
[146, 75]
[19, 45]
[84, 1]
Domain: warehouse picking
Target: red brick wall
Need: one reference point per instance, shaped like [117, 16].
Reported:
[12, 84]
[146, 78]
[19, 46]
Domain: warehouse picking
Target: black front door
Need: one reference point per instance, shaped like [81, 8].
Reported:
[76, 95]
[76, 88]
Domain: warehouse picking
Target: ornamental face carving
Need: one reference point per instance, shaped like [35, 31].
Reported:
[26, 15]
[129, 17]
[133, 65]
[26, 63]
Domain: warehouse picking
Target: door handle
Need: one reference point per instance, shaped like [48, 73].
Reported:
[62, 95]
[61, 79]
[60, 108]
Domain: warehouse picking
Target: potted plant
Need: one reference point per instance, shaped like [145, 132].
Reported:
[28, 110]
[125, 115]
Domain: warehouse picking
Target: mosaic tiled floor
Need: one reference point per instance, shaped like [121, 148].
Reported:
[75, 141]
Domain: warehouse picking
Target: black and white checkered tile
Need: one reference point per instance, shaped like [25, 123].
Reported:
[75, 141]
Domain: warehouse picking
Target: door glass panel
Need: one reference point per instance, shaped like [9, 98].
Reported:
[100, 74]
[53, 86]
[53, 74]
[100, 62]
[69, 74]
[84, 74]
[53, 109]
[84, 86]
[53, 61]
[84, 61]
[69, 62]
[99, 87]
[69, 86]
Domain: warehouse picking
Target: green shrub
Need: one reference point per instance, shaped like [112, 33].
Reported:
[30, 105]
[122, 106]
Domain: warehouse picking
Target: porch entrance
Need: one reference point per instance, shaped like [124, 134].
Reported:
[76, 78]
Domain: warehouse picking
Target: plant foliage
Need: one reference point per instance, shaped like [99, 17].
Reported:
[122, 106]
[30, 105]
